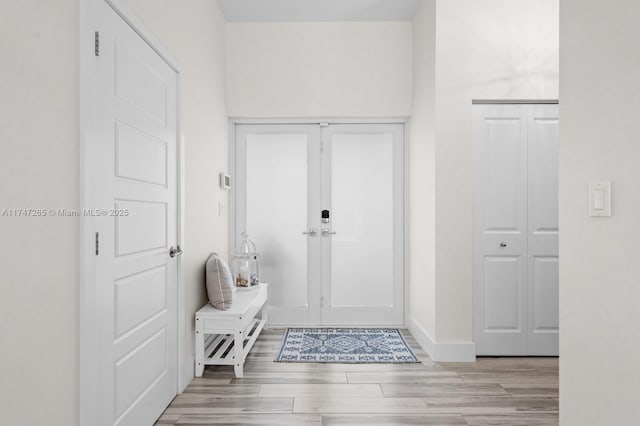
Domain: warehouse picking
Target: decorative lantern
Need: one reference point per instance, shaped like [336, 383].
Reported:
[245, 264]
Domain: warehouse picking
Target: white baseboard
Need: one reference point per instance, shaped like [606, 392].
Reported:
[422, 337]
[442, 351]
[187, 373]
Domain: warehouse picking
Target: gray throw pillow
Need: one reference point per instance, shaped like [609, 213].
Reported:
[219, 282]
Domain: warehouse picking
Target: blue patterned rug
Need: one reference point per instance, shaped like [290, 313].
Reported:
[345, 345]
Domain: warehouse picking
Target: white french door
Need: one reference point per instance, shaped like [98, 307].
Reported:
[515, 259]
[275, 166]
[362, 260]
[324, 205]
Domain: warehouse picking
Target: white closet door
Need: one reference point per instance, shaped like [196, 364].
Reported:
[515, 259]
[500, 229]
[543, 230]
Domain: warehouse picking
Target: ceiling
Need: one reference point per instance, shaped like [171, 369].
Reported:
[317, 10]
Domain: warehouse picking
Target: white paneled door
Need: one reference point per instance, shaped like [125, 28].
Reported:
[362, 245]
[135, 175]
[324, 205]
[515, 259]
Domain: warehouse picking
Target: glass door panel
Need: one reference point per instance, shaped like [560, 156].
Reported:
[362, 205]
[276, 174]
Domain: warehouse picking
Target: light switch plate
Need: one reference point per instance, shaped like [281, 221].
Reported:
[600, 199]
[225, 181]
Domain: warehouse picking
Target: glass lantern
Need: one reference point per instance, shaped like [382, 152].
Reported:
[245, 264]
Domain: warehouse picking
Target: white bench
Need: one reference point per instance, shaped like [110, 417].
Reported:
[226, 337]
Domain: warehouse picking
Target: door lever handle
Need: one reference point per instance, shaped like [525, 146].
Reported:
[326, 232]
[173, 252]
[312, 232]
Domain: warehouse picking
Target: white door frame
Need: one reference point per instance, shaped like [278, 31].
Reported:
[87, 321]
[236, 121]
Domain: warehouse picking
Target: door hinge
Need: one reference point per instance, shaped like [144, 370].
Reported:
[324, 124]
[322, 301]
[321, 147]
[97, 243]
[97, 43]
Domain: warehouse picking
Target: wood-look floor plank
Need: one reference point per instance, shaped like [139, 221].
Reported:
[550, 391]
[221, 391]
[321, 390]
[412, 390]
[510, 379]
[230, 406]
[292, 378]
[168, 419]
[251, 419]
[528, 419]
[551, 362]
[360, 405]
[210, 379]
[494, 406]
[417, 377]
[393, 420]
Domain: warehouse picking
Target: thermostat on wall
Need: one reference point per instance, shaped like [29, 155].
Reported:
[225, 181]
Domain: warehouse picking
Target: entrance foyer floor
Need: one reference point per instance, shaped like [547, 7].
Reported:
[491, 391]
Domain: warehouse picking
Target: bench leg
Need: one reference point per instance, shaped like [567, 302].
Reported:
[199, 354]
[264, 315]
[238, 352]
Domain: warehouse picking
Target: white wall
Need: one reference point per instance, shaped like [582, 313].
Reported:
[599, 269]
[494, 49]
[422, 284]
[39, 163]
[194, 33]
[38, 169]
[343, 69]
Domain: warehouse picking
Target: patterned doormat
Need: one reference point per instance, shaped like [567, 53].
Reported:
[345, 345]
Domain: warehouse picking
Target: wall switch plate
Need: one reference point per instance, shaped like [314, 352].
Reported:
[225, 181]
[600, 199]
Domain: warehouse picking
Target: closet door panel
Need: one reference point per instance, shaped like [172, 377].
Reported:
[500, 229]
[542, 250]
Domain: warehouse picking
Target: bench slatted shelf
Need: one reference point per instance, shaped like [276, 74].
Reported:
[226, 337]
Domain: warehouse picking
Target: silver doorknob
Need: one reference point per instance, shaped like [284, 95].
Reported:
[326, 232]
[173, 252]
[311, 232]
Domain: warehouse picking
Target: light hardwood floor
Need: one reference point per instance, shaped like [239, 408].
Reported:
[491, 391]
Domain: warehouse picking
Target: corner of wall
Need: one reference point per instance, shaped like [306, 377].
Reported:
[421, 335]
[421, 172]
[448, 351]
